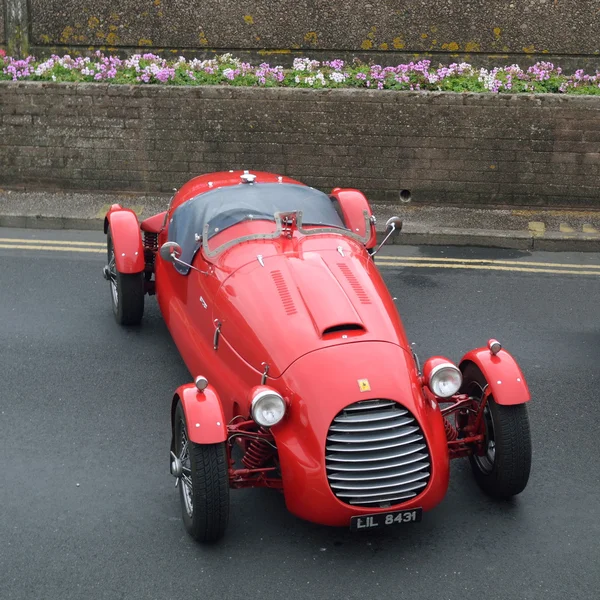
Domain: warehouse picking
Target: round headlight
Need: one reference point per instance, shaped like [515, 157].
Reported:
[268, 408]
[445, 380]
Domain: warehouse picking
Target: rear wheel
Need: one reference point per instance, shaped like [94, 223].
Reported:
[503, 469]
[204, 484]
[126, 290]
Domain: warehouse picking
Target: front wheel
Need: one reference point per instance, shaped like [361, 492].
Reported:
[502, 471]
[204, 484]
[126, 290]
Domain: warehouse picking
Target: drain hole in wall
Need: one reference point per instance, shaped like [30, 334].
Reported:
[405, 196]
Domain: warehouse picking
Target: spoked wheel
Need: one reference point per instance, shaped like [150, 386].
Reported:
[126, 290]
[204, 484]
[503, 469]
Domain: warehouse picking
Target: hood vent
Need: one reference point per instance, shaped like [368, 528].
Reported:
[284, 292]
[344, 327]
[358, 289]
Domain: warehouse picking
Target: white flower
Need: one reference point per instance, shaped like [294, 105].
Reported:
[338, 77]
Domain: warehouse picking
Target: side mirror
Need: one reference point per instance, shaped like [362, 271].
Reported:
[170, 251]
[394, 225]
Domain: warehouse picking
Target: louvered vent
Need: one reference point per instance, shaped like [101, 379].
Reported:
[376, 454]
[358, 289]
[284, 293]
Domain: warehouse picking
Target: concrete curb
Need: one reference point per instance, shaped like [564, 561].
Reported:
[520, 229]
[435, 236]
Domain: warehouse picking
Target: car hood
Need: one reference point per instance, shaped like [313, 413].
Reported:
[274, 310]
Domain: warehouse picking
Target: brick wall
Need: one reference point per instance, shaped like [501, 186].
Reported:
[443, 148]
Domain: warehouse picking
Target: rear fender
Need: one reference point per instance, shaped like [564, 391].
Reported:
[501, 371]
[203, 414]
[353, 205]
[126, 239]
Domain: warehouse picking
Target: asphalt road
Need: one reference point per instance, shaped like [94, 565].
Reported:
[88, 508]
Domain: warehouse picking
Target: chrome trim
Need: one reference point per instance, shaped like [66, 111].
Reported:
[366, 404]
[258, 397]
[380, 465]
[494, 346]
[408, 488]
[408, 470]
[379, 485]
[368, 418]
[379, 426]
[407, 446]
[265, 374]
[437, 369]
[406, 496]
[394, 435]
[376, 454]
[280, 228]
[217, 334]
[201, 383]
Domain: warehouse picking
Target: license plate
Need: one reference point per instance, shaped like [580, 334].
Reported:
[397, 517]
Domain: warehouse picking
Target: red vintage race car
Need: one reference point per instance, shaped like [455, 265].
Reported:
[304, 380]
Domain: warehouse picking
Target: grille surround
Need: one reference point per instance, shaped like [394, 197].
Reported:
[376, 454]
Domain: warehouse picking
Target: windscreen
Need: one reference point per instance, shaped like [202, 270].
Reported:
[229, 205]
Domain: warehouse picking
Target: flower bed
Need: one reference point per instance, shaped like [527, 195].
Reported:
[543, 77]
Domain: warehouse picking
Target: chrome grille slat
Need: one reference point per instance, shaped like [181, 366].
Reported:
[369, 404]
[376, 484]
[380, 466]
[388, 501]
[356, 453]
[395, 472]
[356, 457]
[360, 428]
[376, 454]
[399, 490]
[373, 436]
[369, 417]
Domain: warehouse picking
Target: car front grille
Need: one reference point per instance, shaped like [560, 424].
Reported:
[376, 454]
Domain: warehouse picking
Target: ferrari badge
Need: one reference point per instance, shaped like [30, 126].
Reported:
[363, 385]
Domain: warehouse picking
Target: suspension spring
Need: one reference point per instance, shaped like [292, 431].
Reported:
[257, 454]
[451, 432]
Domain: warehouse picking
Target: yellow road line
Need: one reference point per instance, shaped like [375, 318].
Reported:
[53, 242]
[484, 261]
[53, 248]
[488, 268]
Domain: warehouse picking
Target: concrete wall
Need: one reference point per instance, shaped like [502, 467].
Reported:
[387, 30]
[444, 148]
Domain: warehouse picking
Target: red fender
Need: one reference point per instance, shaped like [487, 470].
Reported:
[502, 373]
[203, 414]
[353, 203]
[126, 238]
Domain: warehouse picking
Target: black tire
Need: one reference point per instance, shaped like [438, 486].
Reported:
[127, 295]
[207, 467]
[504, 470]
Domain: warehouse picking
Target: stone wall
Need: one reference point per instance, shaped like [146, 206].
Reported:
[2, 33]
[456, 149]
[387, 30]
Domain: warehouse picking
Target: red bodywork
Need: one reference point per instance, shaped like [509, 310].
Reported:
[307, 316]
